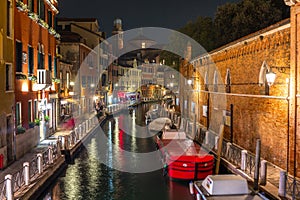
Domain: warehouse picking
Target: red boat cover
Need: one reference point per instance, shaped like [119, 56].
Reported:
[185, 159]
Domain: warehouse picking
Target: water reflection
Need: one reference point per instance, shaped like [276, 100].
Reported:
[88, 178]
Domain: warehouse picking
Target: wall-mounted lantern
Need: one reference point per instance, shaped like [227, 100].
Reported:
[267, 76]
[270, 77]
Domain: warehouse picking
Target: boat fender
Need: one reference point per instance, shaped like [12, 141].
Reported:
[165, 170]
[191, 185]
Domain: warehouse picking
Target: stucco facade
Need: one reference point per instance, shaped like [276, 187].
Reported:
[35, 48]
[7, 95]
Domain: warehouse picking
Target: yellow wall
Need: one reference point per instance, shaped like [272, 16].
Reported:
[7, 97]
[7, 50]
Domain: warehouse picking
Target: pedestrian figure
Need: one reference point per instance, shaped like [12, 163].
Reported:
[71, 123]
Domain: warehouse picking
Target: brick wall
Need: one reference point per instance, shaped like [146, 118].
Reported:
[255, 114]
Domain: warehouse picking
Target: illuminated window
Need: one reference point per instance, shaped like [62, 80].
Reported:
[68, 80]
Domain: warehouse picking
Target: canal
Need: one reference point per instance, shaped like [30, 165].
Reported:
[104, 169]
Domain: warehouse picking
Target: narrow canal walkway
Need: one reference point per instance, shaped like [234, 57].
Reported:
[90, 178]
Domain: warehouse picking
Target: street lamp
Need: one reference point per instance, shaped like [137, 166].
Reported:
[270, 76]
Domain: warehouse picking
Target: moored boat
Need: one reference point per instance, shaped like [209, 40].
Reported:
[152, 113]
[184, 158]
[224, 186]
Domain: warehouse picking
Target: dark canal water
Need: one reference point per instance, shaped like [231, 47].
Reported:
[90, 178]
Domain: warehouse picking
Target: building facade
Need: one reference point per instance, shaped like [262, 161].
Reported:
[7, 148]
[66, 89]
[129, 79]
[171, 79]
[83, 46]
[84, 74]
[35, 49]
[231, 82]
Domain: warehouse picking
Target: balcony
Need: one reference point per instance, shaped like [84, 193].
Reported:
[44, 79]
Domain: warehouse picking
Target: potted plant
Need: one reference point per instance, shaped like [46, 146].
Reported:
[21, 6]
[57, 35]
[33, 16]
[20, 129]
[32, 77]
[31, 124]
[21, 76]
[37, 122]
[47, 118]
[43, 23]
[52, 31]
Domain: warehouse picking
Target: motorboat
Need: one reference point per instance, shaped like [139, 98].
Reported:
[224, 186]
[152, 113]
[159, 124]
[184, 158]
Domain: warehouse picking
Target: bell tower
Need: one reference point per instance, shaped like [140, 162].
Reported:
[118, 33]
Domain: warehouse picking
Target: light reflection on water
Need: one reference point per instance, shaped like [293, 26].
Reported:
[88, 178]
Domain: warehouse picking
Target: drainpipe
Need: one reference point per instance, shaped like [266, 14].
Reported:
[207, 121]
[295, 123]
[231, 123]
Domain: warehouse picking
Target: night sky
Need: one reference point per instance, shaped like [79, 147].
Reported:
[170, 14]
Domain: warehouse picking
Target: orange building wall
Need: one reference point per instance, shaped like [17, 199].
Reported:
[31, 33]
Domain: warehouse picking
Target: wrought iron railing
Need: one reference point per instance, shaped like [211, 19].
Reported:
[272, 174]
[18, 179]
[293, 187]
[55, 152]
[224, 149]
[250, 164]
[45, 157]
[33, 167]
[234, 155]
[3, 190]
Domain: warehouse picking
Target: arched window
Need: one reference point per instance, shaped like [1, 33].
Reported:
[216, 81]
[206, 81]
[228, 81]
